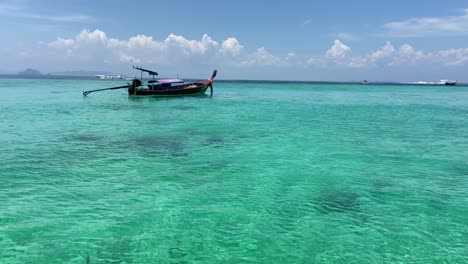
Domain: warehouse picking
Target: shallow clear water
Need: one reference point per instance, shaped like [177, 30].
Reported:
[261, 172]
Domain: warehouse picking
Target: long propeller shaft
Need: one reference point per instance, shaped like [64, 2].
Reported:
[85, 93]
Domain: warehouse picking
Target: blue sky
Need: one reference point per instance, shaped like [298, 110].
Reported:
[287, 40]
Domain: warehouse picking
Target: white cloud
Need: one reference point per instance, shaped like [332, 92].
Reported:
[231, 46]
[98, 38]
[385, 52]
[115, 43]
[207, 43]
[261, 57]
[454, 56]
[358, 62]
[430, 26]
[407, 54]
[95, 49]
[389, 56]
[129, 59]
[338, 54]
[86, 36]
[317, 62]
[95, 45]
[338, 51]
[62, 43]
[137, 42]
[190, 47]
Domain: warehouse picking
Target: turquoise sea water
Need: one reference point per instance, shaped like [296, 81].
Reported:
[260, 173]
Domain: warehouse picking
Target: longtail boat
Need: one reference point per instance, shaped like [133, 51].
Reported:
[163, 87]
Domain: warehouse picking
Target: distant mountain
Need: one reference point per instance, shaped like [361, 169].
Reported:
[30, 72]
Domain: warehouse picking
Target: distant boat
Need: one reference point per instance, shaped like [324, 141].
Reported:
[365, 82]
[447, 82]
[109, 76]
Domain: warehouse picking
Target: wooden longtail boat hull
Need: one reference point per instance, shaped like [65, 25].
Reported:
[189, 89]
[163, 87]
[195, 88]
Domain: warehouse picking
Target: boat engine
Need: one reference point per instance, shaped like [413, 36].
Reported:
[135, 83]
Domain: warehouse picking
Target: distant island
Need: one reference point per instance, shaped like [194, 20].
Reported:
[30, 72]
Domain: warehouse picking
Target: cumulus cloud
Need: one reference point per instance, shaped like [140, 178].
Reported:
[137, 42]
[90, 48]
[385, 52]
[338, 51]
[129, 59]
[454, 56]
[62, 43]
[96, 36]
[387, 56]
[338, 54]
[144, 49]
[191, 46]
[391, 56]
[358, 62]
[84, 38]
[430, 26]
[96, 46]
[261, 57]
[231, 47]
[407, 54]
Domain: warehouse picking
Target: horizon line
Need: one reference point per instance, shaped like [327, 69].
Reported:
[370, 82]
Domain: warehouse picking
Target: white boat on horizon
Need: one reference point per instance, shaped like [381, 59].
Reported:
[109, 76]
[441, 82]
[447, 82]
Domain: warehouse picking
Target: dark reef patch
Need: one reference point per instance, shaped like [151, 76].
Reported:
[123, 107]
[162, 145]
[84, 137]
[176, 253]
[215, 140]
[184, 107]
[338, 202]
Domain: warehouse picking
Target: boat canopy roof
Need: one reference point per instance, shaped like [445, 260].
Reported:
[170, 80]
[145, 70]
